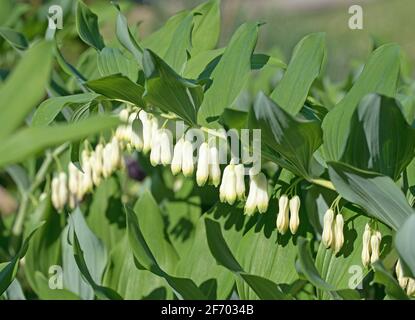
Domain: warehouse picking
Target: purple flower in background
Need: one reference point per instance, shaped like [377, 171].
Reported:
[135, 171]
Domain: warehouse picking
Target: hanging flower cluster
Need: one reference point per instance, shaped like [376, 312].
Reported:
[141, 131]
[406, 283]
[332, 236]
[371, 245]
[288, 214]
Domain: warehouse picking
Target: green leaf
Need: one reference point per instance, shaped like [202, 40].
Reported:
[204, 270]
[31, 140]
[166, 90]
[150, 248]
[49, 109]
[161, 40]
[176, 54]
[293, 138]
[46, 293]
[125, 37]
[308, 268]
[123, 276]
[264, 288]
[8, 270]
[380, 139]
[305, 66]
[118, 87]
[206, 30]
[259, 60]
[392, 288]
[106, 216]
[44, 249]
[112, 61]
[87, 26]
[380, 75]
[29, 77]
[200, 61]
[100, 291]
[377, 194]
[16, 39]
[230, 75]
[404, 243]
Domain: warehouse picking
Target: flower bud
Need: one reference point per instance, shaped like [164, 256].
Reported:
[366, 248]
[176, 163]
[240, 181]
[187, 159]
[294, 213]
[283, 211]
[338, 233]
[375, 240]
[202, 172]
[214, 168]
[327, 235]
[73, 178]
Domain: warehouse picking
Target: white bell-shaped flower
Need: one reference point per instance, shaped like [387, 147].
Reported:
[327, 235]
[202, 172]
[366, 247]
[187, 159]
[121, 131]
[165, 147]
[283, 214]
[96, 161]
[136, 125]
[251, 201]
[410, 287]
[176, 163]
[214, 167]
[147, 130]
[155, 152]
[375, 240]
[403, 281]
[240, 181]
[116, 159]
[63, 189]
[338, 233]
[106, 161]
[227, 190]
[55, 193]
[87, 182]
[294, 213]
[262, 193]
[73, 184]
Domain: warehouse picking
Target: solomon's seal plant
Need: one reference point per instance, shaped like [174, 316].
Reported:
[169, 167]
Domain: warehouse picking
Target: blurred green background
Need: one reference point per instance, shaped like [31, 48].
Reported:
[287, 21]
